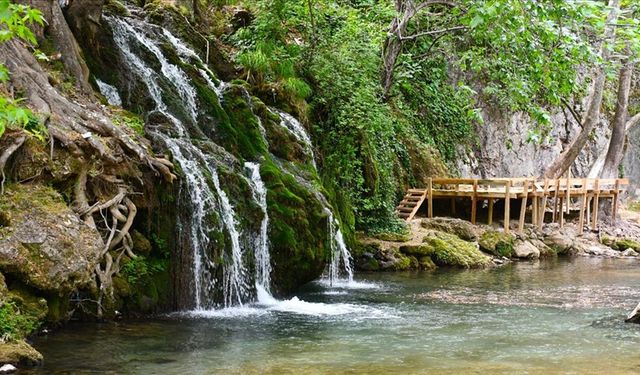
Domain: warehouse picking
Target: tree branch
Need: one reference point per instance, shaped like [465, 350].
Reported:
[635, 120]
[575, 114]
[432, 32]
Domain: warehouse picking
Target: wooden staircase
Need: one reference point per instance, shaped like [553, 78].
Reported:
[411, 203]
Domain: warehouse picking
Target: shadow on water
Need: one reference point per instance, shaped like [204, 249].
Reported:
[534, 317]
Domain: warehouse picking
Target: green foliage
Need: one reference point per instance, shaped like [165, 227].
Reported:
[14, 324]
[14, 22]
[131, 120]
[140, 269]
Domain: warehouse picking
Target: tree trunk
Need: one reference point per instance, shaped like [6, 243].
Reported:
[58, 30]
[615, 151]
[393, 43]
[564, 161]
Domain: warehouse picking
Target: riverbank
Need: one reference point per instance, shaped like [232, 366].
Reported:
[450, 242]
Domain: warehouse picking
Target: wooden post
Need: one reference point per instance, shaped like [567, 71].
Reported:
[474, 202]
[615, 201]
[507, 208]
[561, 213]
[583, 205]
[589, 198]
[555, 202]
[430, 197]
[490, 220]
[534, 212]
[543, 208]
[596, 203]
[523, 208]
[568, 196]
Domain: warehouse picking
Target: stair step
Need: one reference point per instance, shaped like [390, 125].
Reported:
[406, 209]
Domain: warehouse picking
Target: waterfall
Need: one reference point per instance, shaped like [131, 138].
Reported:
[295, 127]
[217, 276]
[109, 92]
[198, 198]
[339, 252]
[262, 256]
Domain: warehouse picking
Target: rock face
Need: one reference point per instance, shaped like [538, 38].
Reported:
[518, 156]
[43, 242]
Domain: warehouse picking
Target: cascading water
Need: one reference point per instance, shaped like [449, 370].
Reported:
[262, 256]
[339, 252]
[109, 92]
[196, 190]
[203, 204]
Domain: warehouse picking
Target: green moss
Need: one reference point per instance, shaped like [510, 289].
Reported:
[448, 250]
[426, 263]
[403, 262]
[634, 206]
[241, 134]
[116, 7]
[129, 119]
[298, 228]
[20, 315]
[497, 243]
[626, 243]
[393, 237]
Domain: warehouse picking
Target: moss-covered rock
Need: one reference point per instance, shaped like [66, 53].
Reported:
[626, 243]
[449, 250]
[426, 263]
[297, 229]
[460, 228]
[19, 353]
[46, 245]
[497, 243]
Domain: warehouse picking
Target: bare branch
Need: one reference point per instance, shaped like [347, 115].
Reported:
[634, 121]
[432, 32]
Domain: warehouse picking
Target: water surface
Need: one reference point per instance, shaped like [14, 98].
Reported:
[543, 317]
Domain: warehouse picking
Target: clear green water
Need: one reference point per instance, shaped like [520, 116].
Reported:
[547, 317]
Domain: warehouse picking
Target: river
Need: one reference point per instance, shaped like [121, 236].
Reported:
[554, 316]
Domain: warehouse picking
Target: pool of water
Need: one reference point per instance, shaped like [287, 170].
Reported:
[554, 316]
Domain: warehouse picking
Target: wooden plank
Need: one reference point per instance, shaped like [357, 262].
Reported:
[523, 208]
[561, 213]
[543, 208]
[490, 214]
[596, 204]
[430, 197]
[507, 204]
[555, 202]
[474, 202]
[583, 205]
[614, 214]
[568, 195]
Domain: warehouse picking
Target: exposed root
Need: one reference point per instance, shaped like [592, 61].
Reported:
[6, 154]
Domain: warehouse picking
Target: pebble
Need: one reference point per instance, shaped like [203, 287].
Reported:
[8, 369]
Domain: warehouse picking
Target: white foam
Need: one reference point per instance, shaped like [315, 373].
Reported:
[348, 284]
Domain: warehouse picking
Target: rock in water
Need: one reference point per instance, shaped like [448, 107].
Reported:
[526, 250]
[8, 369]
[634, 316]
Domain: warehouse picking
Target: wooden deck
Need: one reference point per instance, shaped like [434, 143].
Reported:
[554, 196]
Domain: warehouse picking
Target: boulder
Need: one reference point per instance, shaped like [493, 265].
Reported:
[449, 250]
[497, 243]
[634, 316]
[629, 253]
[19, 353]
[43, 243]
[525, 250]
[460, 228]
[585, 247]
[560, 241]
